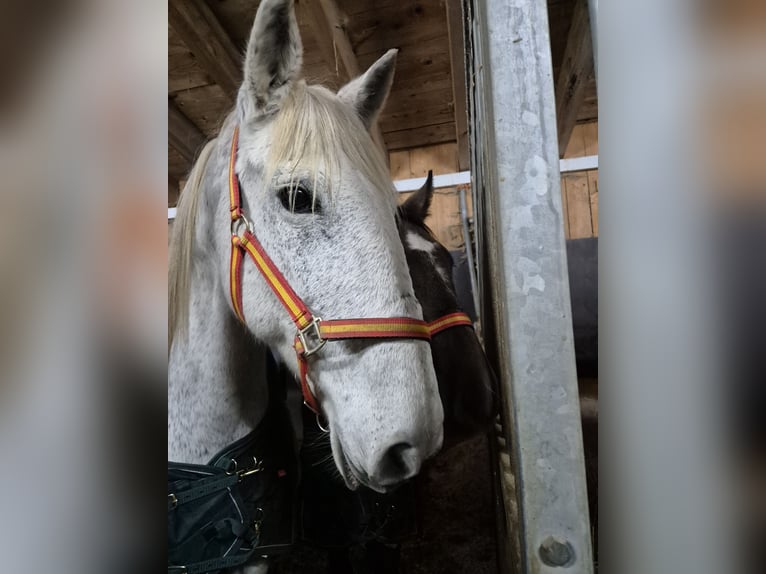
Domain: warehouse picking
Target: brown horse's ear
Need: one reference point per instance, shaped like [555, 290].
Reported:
[415, 209]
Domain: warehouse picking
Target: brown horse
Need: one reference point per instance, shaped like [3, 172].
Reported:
[362, 529]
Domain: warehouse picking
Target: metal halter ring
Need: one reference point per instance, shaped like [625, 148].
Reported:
[311, 337]
[325, 428]
[236, 225]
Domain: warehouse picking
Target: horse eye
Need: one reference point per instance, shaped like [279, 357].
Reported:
[298, 200]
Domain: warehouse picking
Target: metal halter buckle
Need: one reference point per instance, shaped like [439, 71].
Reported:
[311, 337]
[237, 224]
[256, 467]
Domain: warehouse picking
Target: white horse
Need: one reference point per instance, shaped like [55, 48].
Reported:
[322, 205]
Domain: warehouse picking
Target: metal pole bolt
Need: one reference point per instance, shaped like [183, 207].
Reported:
[556, 552]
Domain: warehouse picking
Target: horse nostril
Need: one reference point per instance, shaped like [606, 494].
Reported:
[400, 462]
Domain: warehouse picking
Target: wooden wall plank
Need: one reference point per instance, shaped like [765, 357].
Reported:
[311, 15]
[417, 117]
[184, 72]
[576, 146]
[589, 108]
[440, 159]
[399, 24]
[183, 135]
[576, 186]
[198, 27]
[576, 69]
[330, 29]
[399, 164]
[434, 81]
[578, 206]
[336, 26]
[423, 58]
[206, 105]
[590, 137]
[420, 136]
[564, 207]
[409, 100]
[423, 65]
[444, 218]
[459, 97]
[593, 192]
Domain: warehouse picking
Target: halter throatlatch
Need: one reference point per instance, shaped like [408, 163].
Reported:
[312, 331]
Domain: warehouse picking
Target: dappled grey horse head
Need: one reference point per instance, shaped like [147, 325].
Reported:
[467, 384]
[321, 202]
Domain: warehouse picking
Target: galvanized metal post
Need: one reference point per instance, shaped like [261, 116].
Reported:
[469, 252]
[525, 286]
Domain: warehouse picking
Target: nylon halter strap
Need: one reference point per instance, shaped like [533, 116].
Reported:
[312, 331]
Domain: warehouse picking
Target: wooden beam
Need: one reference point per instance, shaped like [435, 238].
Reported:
[457, 67]
[336, 26]
[312, 13]
[199, 29]
[574, 74]
[421, 136]
[183, 135]
[329, 28]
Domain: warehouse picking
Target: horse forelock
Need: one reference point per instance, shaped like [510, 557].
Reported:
[314, 131]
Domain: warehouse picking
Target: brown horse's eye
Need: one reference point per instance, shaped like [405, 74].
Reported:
[298, 199]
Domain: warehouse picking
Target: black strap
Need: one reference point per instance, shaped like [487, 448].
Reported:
[202, 488]
[248, 535]
[213, 564]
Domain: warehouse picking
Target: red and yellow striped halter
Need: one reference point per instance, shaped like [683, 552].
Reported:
[312, 331]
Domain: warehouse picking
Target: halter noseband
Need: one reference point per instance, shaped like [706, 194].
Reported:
[312, 331]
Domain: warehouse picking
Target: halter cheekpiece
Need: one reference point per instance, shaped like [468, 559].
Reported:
[312, 331]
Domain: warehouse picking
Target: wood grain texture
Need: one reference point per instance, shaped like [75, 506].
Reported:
[576, 145]
[311, 16]
[183, 135]
[576, 69]
[578, 206]
[590, 138]
[565, 207]
[420, 136]
[196, 24]
[423, 82]
[417, 117]
[399, 164]
[457, 64]
[184, 72]
[206, 105]
[398, 25]
[593, 191]
[421, 96]
[329, 28]
[440, 159]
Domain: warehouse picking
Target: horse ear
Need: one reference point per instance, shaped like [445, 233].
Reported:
[415, 209]
[368, 92]
[273, 60]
